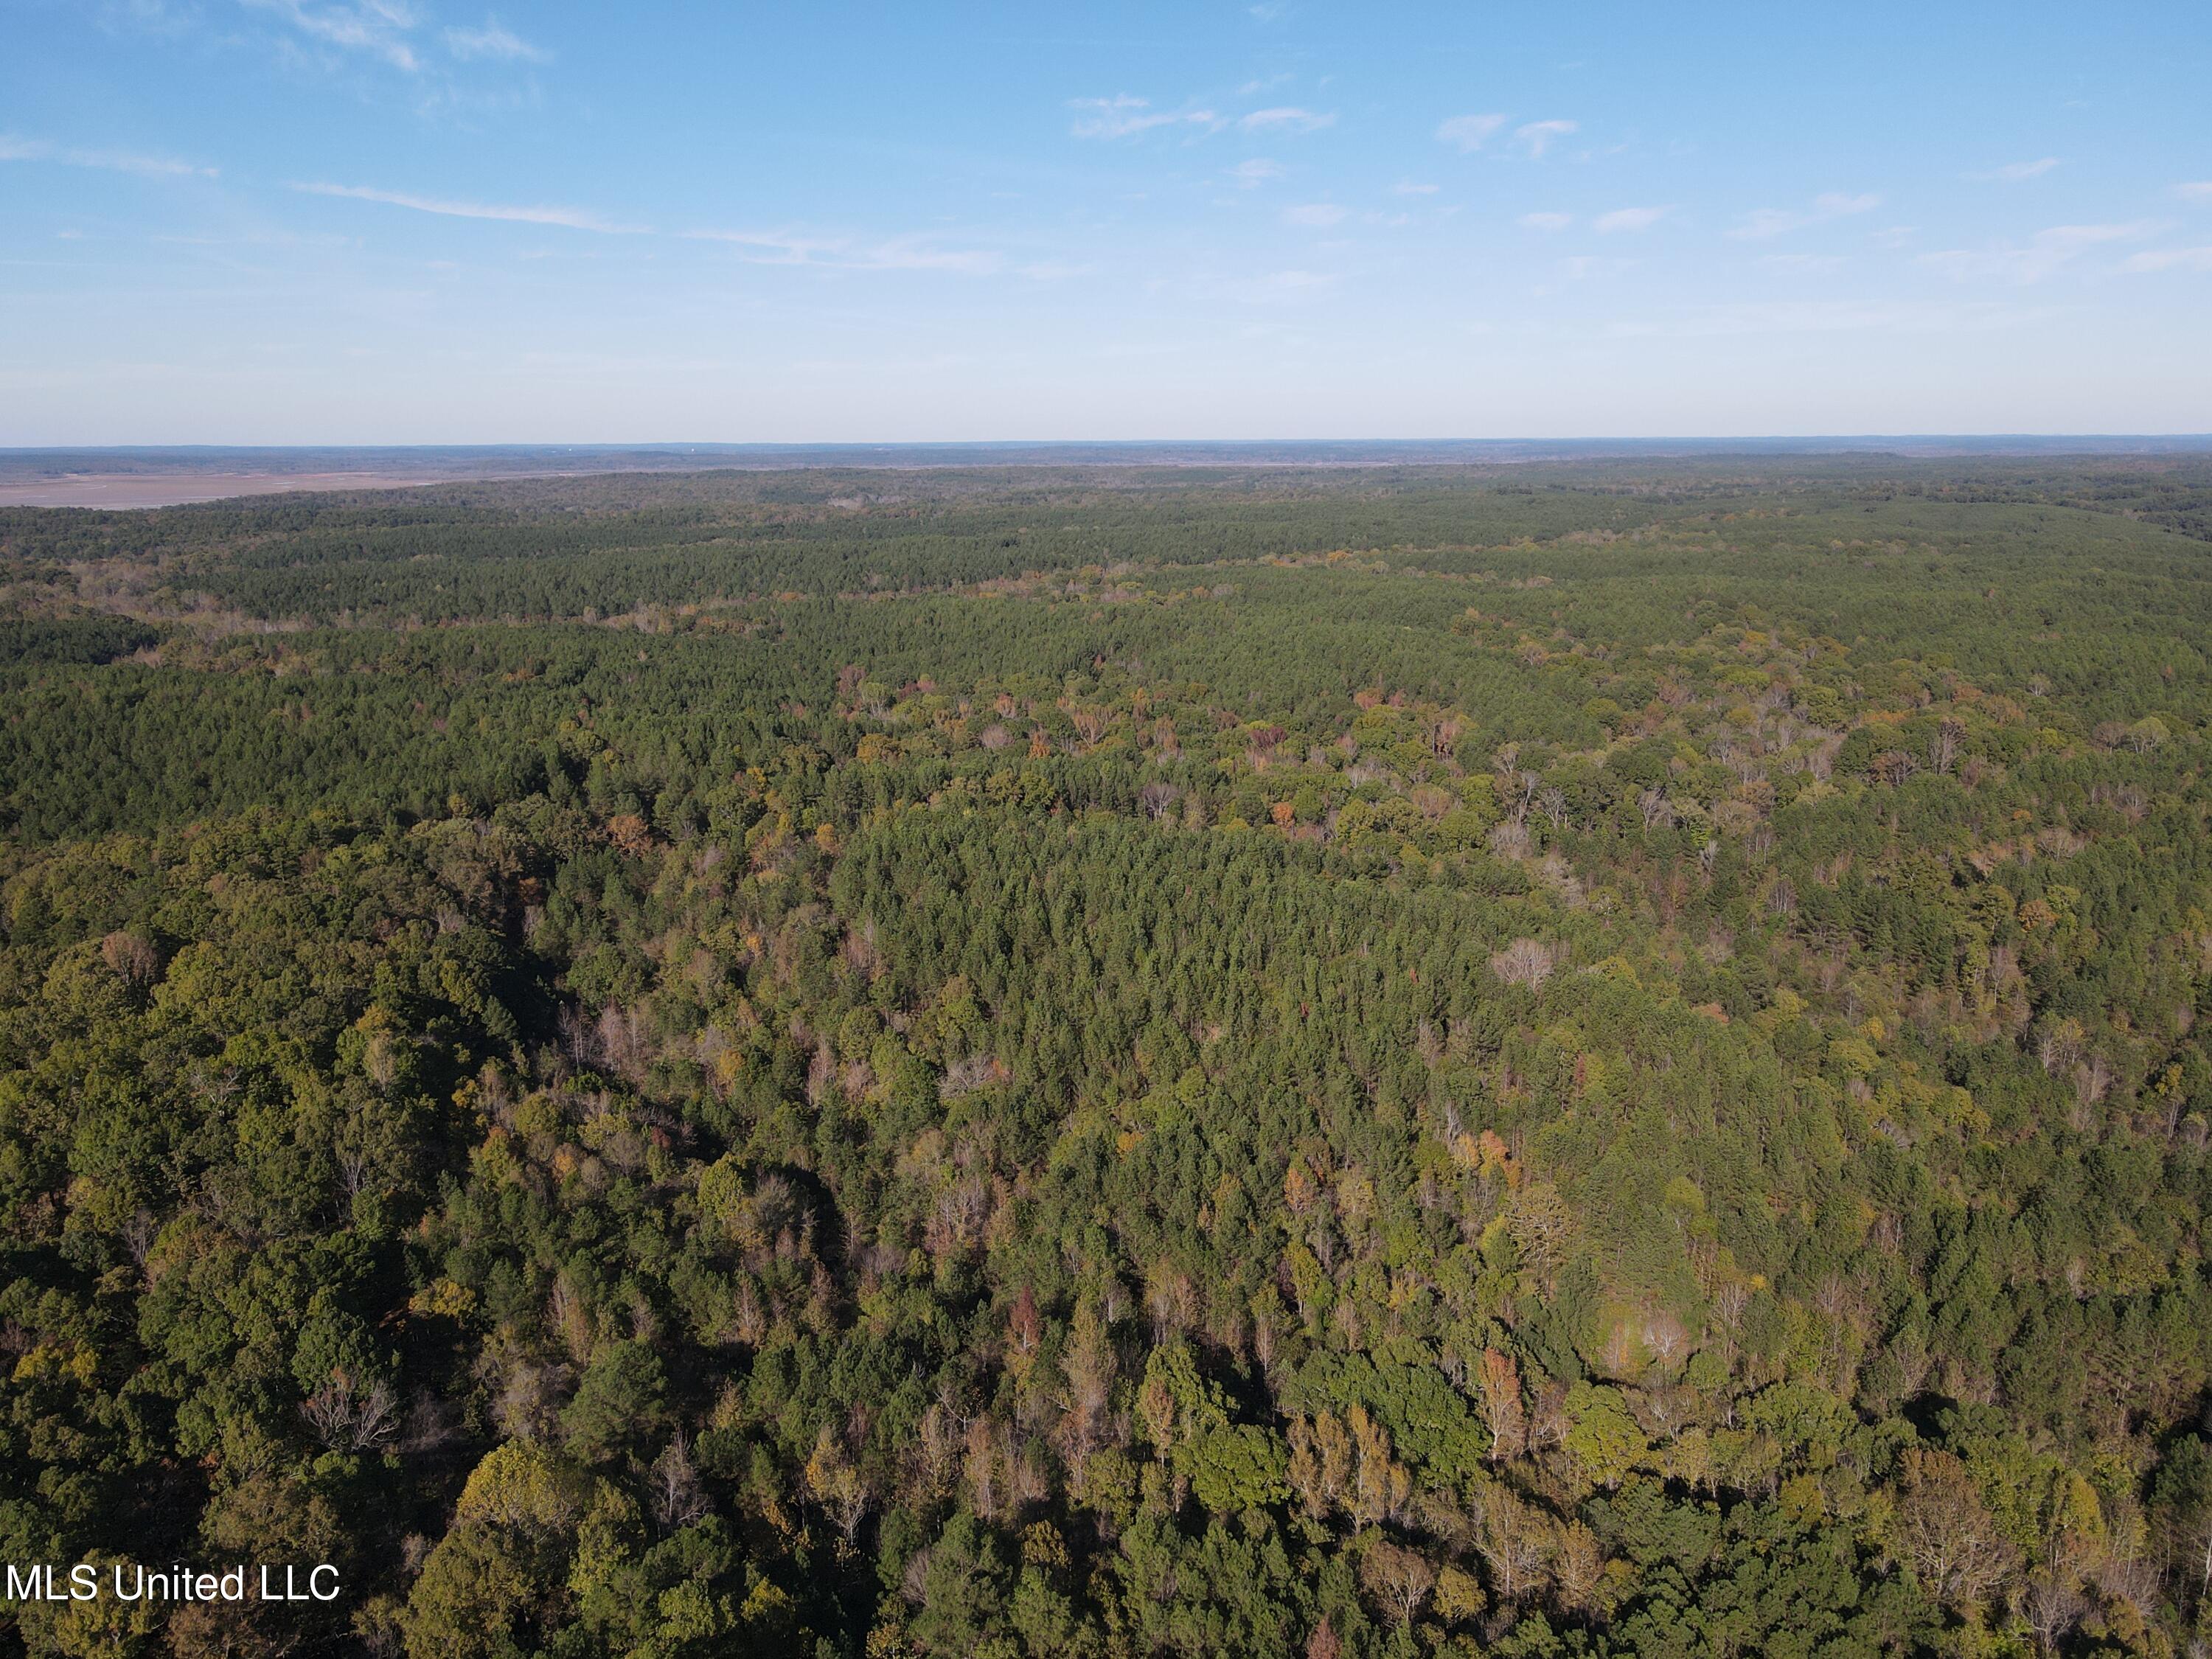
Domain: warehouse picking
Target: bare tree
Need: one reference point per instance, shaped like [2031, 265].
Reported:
[138, 1235]
[1943, 745]
[1523, 793]
[344, 1416]
[1512, 1538]
[837, 1485]
[132, 957]
[1500, 1381]
[679, 1498]
[1944, 1531]
[2054, 1603]
[1525, 962]
[1398, 1578]
[1578, 1568]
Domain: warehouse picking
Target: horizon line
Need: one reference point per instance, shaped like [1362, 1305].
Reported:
[627, 445]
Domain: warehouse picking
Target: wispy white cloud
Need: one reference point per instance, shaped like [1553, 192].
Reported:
[258, 239]
[2170, 258]
[1250, 176]
[1287, 117]
[1314, 216]
[494, 40]
[1468, 133]
[775, 247]
[1800, 265]
[2041, 255]
[1629, 218]
[1546, 220]
[778, 248]
[1764, 222]
[377, 29]
[1050, 270]
[2016, 172]
[1581, 267]
[1408, 187]
[1541, 135]
[571, 218]
[1280, 286]
[2196, 190]
[1829, 316]
[1124, 116]
[1893, 235]
[919, 253]
[14, 149]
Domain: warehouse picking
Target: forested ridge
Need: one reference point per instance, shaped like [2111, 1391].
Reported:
[1596, 1059]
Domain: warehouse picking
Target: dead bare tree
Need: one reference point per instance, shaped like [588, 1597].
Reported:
[1525, 962]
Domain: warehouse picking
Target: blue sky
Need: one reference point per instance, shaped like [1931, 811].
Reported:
[397, 220]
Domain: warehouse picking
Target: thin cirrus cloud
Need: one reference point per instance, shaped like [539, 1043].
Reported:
[1629, 218]
[1279, 286]
[1051, 270]
[771, 247]
[775, 247]
[2170, 258]
[2196, 190]
[1581, 267]
[376, 28]
[1764, 222]
[1825, 317]
[1314, 216]
[1541, 135]
[1546, 220]
[566, 217]
[109, 160]
[1468, 133]
[1124, 116]
[1800, 265]
[385, 29]
[1287, 119]
[2041, 255]
[494, 40]
[2016, 172]
[1250, 175]
[1410, 187]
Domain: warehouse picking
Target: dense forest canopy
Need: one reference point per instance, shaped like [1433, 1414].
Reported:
[1594, 1059]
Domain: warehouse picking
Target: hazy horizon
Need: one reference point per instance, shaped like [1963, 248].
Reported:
[2149, 442]
[153, 476]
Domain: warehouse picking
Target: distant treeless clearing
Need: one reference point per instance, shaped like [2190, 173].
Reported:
[175, 488]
